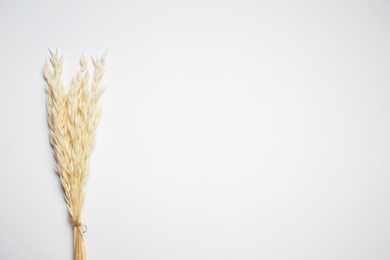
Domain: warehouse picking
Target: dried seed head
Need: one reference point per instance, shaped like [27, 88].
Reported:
[83, 63]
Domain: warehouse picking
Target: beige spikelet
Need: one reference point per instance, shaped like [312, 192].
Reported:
[73, 115]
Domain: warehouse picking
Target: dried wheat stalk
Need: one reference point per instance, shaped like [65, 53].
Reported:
[73, 115]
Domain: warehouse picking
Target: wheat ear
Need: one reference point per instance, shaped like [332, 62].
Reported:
[73, 115]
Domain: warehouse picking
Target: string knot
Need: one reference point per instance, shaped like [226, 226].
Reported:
[75, 223]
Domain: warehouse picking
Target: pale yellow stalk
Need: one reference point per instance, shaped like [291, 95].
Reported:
[73, 115]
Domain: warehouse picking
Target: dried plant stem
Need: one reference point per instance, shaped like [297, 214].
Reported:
[73, 115]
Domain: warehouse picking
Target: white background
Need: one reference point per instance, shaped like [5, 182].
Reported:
[231, 130]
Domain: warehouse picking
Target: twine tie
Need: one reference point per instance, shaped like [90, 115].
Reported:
[83, 228]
